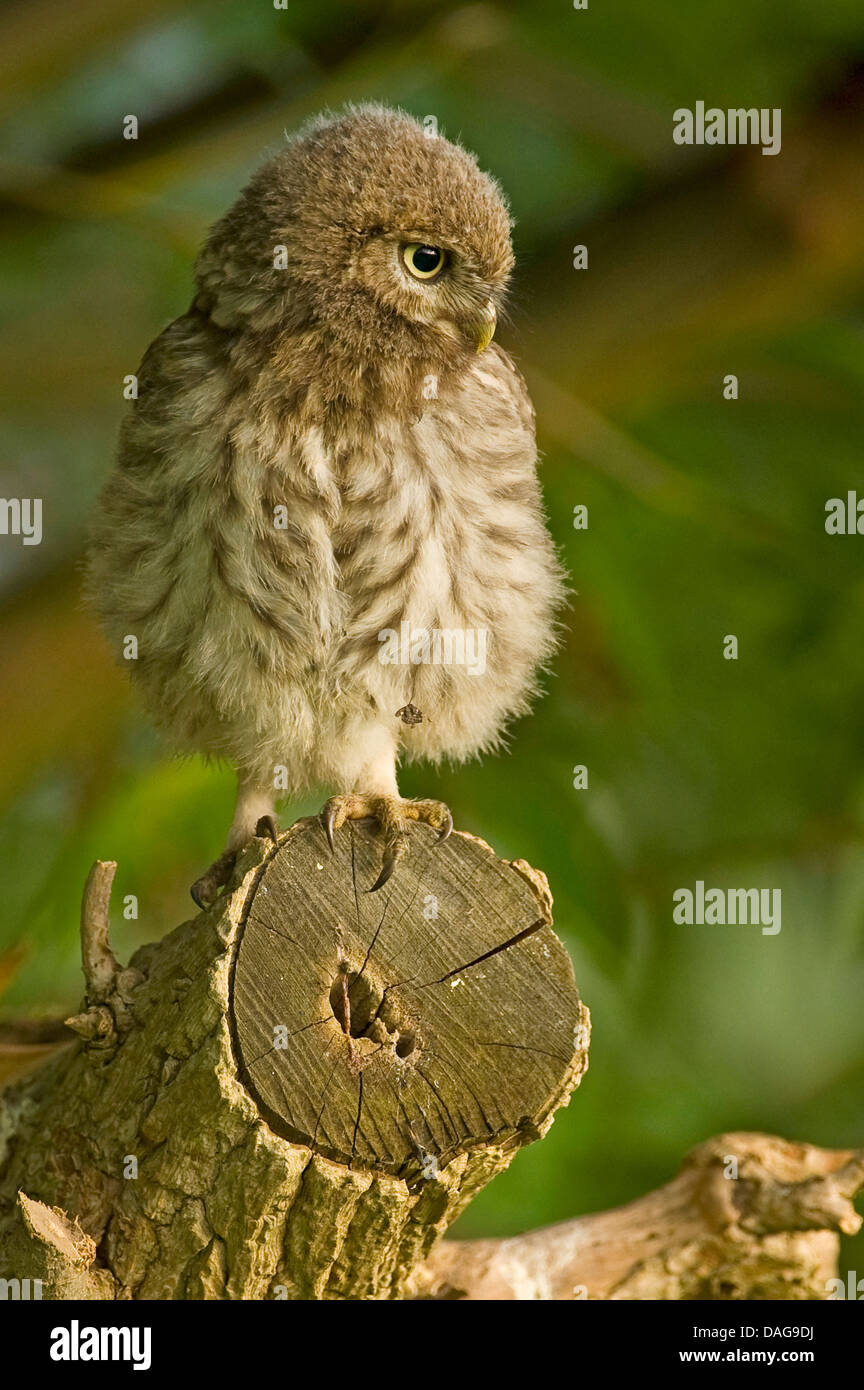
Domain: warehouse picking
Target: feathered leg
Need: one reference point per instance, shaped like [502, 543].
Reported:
[253, 815]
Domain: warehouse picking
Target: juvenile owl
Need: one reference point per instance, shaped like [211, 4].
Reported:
[325, 528]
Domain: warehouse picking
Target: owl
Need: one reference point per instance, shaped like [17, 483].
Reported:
[324, 529]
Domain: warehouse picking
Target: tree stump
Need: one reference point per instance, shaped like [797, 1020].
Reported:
[295, 1093]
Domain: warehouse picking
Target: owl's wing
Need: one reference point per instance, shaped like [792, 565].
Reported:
[209, 546]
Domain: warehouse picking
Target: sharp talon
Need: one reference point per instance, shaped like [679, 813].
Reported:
[393, 815]
[386, 873]
[205, 889]
[328, 816]
[268, 829]
[195, 894]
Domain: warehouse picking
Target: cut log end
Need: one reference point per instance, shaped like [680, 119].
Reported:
[395, 1031]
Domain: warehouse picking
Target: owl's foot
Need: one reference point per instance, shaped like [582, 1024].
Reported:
[205, 889]
[391, 813]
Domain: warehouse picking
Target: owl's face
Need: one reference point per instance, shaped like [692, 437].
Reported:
[433, 282]
[394, 243]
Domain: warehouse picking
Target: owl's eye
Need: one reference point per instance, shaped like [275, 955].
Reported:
[424, 262]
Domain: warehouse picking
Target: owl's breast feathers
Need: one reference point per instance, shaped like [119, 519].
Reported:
[261, 557]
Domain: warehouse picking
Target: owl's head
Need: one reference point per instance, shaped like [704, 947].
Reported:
[371, 229]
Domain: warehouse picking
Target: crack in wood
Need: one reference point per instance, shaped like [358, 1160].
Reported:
[443, 1108]
[487, 955]
[357, 1120]
[375, 935]
[315, 1024]
[324, 1095]
[354, 879]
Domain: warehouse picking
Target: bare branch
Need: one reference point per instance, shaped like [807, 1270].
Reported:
[749, 1216]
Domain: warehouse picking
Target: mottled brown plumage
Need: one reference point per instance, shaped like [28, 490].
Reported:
[319, 454]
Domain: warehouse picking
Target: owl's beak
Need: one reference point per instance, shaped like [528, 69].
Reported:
[481, 330]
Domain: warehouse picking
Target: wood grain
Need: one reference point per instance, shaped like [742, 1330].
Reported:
[456, 1036]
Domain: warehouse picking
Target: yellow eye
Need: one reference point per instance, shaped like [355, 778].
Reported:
[424, 262]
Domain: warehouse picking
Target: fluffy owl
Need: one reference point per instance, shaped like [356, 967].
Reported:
[326, 495]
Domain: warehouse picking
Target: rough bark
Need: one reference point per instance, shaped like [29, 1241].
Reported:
[294, 1094]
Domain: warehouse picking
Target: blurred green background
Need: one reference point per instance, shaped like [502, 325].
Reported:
[706, 516]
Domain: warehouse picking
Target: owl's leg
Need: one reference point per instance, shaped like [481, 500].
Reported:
[253, 815]
[380, 800]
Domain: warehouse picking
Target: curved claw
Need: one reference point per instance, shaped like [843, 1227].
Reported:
[197, 897]
[205, 889]
[327, 818]
[390, 862]
[268, 829]
[446, 828]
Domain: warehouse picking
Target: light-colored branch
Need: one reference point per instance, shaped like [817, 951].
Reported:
[749, 1216]
[97, 957]
[108, 987]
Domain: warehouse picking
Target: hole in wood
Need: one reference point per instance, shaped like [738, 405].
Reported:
[358, 1002]
[360, 1009]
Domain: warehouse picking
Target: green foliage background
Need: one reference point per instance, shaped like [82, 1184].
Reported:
[706, 516]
